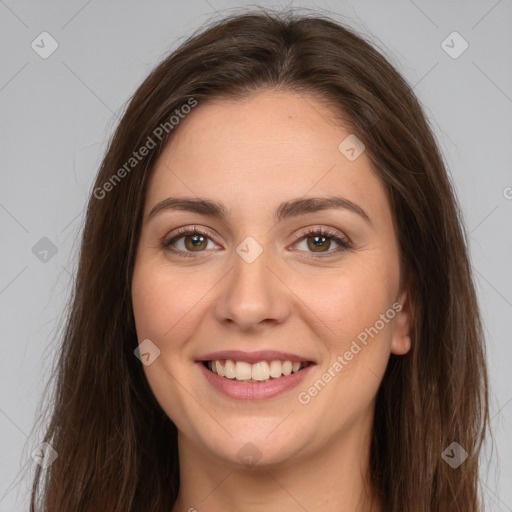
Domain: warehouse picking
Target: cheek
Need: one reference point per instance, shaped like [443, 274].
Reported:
[152, 307]
[164, 314]
[346, 302]
[357, 343]
[161, 302]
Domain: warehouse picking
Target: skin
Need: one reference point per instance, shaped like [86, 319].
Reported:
[252, 155]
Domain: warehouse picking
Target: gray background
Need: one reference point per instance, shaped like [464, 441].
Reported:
[57, 114]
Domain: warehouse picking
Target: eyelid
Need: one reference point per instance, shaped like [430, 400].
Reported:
[322, 230]
[186, 231]
[344, 243]
[342, 240]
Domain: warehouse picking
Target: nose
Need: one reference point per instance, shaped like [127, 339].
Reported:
[253, 295]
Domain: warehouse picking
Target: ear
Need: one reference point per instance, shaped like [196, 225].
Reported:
[401, 341]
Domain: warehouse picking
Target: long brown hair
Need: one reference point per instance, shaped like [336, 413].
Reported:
[117, 449]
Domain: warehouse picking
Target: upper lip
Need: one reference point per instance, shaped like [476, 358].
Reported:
[254, 357]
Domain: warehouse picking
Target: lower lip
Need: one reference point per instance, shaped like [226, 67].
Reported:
[254, 390]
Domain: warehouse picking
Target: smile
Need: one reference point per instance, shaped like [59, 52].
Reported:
[259, 372]
[257, 381]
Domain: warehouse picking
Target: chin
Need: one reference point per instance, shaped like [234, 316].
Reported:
[248, 448]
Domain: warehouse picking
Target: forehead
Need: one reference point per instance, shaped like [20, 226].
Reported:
[262, 150]
[282, 129]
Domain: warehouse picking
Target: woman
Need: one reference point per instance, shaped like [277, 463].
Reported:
[274, 308]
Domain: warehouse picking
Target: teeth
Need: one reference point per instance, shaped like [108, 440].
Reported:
[260, 372]
[220, 369]
[230, 369]
[243, 370]
[287, 368]
[275, 369]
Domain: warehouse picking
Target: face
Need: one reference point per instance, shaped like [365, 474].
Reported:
[267, 280]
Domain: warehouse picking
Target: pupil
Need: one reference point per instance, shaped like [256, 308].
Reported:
[195, 241]
[318, 241]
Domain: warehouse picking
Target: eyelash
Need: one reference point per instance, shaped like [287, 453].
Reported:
[344, 244]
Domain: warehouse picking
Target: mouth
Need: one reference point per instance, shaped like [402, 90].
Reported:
[255, 373]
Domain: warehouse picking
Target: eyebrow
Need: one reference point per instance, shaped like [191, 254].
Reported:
[286, 210]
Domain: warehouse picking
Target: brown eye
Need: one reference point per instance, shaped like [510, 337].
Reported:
[195, 242]
[191, 240]
[319, 241]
